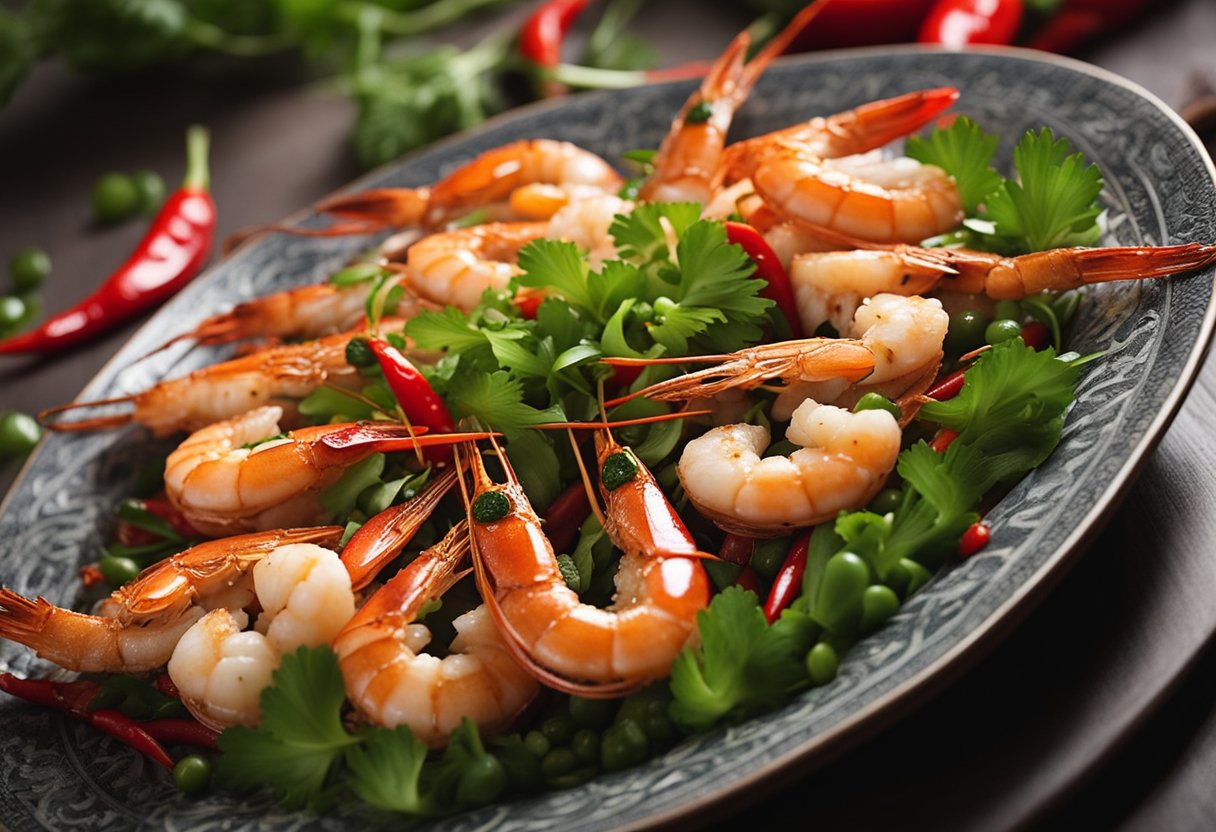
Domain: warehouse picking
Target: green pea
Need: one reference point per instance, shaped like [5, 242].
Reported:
[483, 781]
[887, 501]
[359, 353]
[622, 746]
[28, 268]
[19, 433]
[151, 190]
[559, 729]
[1002, 330]
[557, 762]
[117, 571]
[619, 468]
[12, 310]
[878, 603]
[876, 401]
[699, 114]
[586, 746]
[491, 506]
[1009, 310]
[592, 713]
[657, 725]
[192, 774]
[822, 663]
[768, 555]
[845, 578]
[115, 197]
[538, 744]
[966, 331]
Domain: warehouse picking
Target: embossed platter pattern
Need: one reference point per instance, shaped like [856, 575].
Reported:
[60, 775]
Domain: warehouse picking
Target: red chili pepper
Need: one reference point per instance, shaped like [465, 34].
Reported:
[418, 400]
[542, 35]
[789, 578]
[768, 266]
[623, 376]
[957, 23]
[131, 535]
[168, 257]
[165, 686]
[73, 698]
[942, 439]
[949, 387]
[90, 575]
[565, 516]
[181, 731]
[863, 23]
[1081, 21]
[527, 303]
[749, 580]
[737, 548]
[1036, 335]
[974, 539]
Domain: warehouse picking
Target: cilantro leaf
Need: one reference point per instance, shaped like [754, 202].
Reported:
[965, 152]
[641, 237]
[385, 771]
[741, 666]
[557, 267]
[300, 735]
[1054, 199]
[449, 329]
[497, 401]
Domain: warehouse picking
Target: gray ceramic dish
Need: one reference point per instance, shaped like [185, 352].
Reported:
[1160, 189]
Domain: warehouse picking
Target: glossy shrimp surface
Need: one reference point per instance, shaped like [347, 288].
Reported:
[868, 197]
[140, 624]
[456, 267]
[392, 682]
[843, 461]
[578, 647]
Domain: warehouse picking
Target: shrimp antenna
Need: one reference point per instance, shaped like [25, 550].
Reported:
[96, 423]
[592, 497]
[621, 423]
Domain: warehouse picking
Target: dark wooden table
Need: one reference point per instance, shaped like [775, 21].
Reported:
[1097, 712]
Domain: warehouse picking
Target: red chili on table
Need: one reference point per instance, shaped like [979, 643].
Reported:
[768, 267]
[542, 35]
[789, 578]
[169, 256]
[957, 23]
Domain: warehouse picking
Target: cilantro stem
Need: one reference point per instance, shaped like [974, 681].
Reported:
[573, 75]
[202, 33]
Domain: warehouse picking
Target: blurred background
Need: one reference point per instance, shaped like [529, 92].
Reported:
[301, 96]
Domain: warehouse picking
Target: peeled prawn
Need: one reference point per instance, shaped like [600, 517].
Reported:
[843, 462]
[867, 197]
[392, 682]
[240, 475]
[577, 647]
[306, 598]
[141, 622]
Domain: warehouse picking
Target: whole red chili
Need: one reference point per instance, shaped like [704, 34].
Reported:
[1081, 21]
[541, 36]
[737, 548]
[181, 731]
[749, 580]
[768, 267]
[942, 439]
[168, 257]
[418, 400]
[126, 730]
[957, 23]
[974, 539]
[949, 387]
[789, 579]
[565, 516]
[1036, 335]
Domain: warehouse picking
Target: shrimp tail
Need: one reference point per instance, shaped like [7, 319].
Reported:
[22, 619]
[395, 207]
[892, 118]
[1098, 265]
[96, 423]
[382, 538]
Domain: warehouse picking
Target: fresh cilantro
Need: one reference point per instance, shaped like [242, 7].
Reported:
[741, 666]
[557, 267]
[448, 329]
[497, 401]
[965, 152]
[385, 771]
[300, 736]
[642, 235]
[1054, 201]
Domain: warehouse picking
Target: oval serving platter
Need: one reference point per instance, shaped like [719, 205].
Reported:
[1161, 189]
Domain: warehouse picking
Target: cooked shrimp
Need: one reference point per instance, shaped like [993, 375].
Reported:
[392, 682]
[306, 598]
[456, 267]
[843, 462]
[527, 179]
[141, 622]
[859, 130]
[278, 375]
[905, 335]
[569, 645]
[688, 166]
[227, 477]
[808, 359]
[868, 197]
[586, 223]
